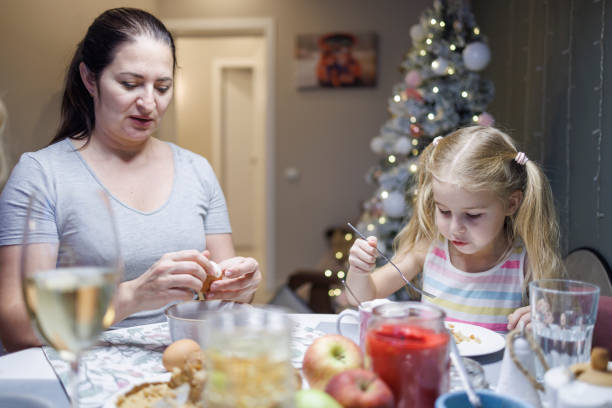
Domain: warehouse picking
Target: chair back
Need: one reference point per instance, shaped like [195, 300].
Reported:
[584, 265]
[603, 325]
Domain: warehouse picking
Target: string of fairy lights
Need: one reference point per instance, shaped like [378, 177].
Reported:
[599, 131]
[341, 257]
[568, 113]
[544, 81]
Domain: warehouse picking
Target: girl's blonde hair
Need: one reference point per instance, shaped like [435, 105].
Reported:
[481, 158]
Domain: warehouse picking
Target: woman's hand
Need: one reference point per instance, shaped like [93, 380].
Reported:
[175, 276]
[362, 256]
[522, 315]
[241, 277]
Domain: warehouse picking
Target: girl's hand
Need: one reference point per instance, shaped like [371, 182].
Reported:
[520, 315]
[241, 277]
[362, 256]
[175, 276]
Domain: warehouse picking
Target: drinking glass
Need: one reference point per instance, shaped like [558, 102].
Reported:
[248, 359]
[408, 347]
[68, 290]
[563, 314]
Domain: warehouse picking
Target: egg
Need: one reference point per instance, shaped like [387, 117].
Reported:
[176, 354]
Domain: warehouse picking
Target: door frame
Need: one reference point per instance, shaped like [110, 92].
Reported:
[266, 28]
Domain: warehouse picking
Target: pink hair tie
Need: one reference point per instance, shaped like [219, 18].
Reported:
[436, 140]
[521, 158]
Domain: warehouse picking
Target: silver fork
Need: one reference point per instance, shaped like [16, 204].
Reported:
[422, 292]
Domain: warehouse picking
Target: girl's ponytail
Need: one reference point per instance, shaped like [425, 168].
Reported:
[537, 225]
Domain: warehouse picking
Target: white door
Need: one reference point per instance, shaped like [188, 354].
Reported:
[219, 113]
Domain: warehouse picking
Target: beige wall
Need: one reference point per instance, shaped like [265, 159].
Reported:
[324, 133]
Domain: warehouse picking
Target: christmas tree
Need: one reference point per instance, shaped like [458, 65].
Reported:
[441, 91]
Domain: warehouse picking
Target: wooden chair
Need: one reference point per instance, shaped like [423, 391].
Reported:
[319, 300]
[585, 265]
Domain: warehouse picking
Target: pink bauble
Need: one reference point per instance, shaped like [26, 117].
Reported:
[413, 78]
[486, 119]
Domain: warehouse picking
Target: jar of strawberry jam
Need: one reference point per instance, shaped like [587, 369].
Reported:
[407, 345]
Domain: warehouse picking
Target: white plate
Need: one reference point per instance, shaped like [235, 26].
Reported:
[112, 401]
[23, 401]
[490, 341]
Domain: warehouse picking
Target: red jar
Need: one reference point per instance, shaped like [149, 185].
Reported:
[407, 346]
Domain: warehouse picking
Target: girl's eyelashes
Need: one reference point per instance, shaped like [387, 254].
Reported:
[444, 212]
[447, 213]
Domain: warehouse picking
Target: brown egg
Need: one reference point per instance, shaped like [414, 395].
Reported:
[176, 353]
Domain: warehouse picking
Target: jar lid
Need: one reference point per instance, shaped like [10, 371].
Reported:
[598, 371]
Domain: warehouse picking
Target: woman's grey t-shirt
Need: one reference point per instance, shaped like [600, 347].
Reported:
[195, 208]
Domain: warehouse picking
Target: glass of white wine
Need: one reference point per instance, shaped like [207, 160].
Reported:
[69, 285]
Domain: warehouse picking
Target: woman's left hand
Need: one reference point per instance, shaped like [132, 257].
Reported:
[241, 277]
[522, 314]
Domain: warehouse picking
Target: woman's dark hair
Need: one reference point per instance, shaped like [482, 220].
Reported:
[97, 50]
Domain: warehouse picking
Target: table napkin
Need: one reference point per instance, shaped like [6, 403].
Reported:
[131, 355]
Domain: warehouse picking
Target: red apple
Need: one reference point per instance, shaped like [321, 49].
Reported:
[327, 356]
[359, 388]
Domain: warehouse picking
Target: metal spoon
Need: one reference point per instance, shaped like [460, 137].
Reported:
[458, 363]
[422, 292]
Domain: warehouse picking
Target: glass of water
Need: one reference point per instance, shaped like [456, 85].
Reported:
[563, 314]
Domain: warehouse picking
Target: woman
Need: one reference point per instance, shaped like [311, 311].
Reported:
[168, 204]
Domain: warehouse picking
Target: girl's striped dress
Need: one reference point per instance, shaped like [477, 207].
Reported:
[481, 298]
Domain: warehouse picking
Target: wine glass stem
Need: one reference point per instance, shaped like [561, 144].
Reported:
[74, 381]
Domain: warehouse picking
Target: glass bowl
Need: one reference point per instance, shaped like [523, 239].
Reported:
[186, 319]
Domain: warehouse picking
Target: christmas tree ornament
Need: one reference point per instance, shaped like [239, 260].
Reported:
[412, 93]
[417, 33]
[377, 145]
[457, 26]
[413, 79]
[415, 130]
[394, 204]
[486, 119]
[476, 56]
[439, 66]
[402, 145]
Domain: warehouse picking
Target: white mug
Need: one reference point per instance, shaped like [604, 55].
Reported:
[361, 316]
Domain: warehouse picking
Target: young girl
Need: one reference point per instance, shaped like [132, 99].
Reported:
[484, 226]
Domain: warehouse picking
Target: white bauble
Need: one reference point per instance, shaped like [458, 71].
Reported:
[417, 33]
[394, 204]
[377, 145]
[402, 145]
[476, 56]
[439, 66]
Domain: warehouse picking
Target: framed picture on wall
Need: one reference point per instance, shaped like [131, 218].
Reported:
[336, 60]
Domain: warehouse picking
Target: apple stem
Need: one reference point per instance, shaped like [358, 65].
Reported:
[364, 385]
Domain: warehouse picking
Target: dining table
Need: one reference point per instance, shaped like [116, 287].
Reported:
[38, 377]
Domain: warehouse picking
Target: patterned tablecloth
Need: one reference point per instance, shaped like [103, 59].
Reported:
[132, 355]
